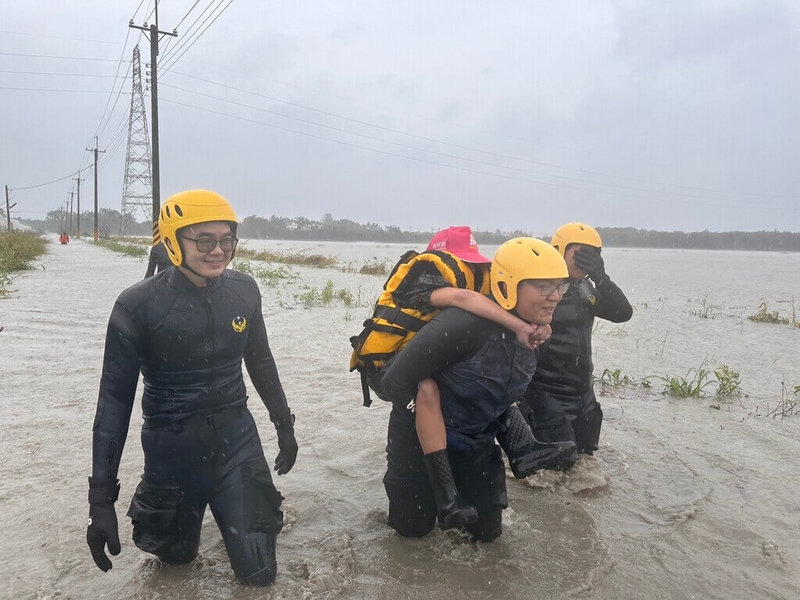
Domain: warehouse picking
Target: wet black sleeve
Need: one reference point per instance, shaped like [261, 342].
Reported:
[612, 304]
[151, 263]
[417, 286]
[450, 337]
[121, 364]
[262, 369]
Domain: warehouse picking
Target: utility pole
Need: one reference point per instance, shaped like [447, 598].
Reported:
[154, 38]
[8, 211]
[78, 179]
[95, 152]
[70, 211]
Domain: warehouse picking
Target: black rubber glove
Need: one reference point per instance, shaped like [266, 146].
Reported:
[102, 529]
[287, 445]
[589, 260]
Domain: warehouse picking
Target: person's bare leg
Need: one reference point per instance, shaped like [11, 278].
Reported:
[432, 434]
[428, 418]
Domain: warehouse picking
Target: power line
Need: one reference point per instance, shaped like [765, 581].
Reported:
[38, 185]
[689, 189]
[116, 99]
[597, 185]
[57, 37]
[166, 47]
[58, 57]
[137, 10]
[57, 74]
[196, 2]
[168, 67]
[23, 89]
[652, 195]
[97, 130]
[190, 31]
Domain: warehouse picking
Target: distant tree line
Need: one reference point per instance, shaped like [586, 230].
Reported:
[345, 230]
[109, 223]
[628, 237]
[330, 229]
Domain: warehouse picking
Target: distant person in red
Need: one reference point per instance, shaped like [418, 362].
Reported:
[63, 238]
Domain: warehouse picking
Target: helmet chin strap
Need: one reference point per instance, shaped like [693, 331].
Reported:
[183, 264]
[191, 270]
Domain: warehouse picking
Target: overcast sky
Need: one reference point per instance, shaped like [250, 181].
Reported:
[499, 115]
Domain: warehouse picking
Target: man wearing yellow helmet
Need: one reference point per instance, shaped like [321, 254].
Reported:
[187, 330]
[560, 403]
[450, 273]
[481, 370]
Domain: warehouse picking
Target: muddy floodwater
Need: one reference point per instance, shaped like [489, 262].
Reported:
[686, 498]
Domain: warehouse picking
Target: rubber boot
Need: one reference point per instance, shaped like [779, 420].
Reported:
[453, 510]
[526, 454]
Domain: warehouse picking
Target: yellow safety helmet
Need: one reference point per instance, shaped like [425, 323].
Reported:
[189, 208]
[520, 259]
[575, 233]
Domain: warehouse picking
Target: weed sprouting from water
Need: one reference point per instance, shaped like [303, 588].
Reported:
[615, 378]
[326, 296]
[706, 310]
[291, 258]
[694, 384]
[788, 405]
[728, 381]
[266, 274]
[345, 297]
[766, 316]
[375, 267]
[135, 250]
[691, 386]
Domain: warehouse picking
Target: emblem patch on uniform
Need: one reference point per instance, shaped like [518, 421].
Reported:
[239, 324]
[592, 299]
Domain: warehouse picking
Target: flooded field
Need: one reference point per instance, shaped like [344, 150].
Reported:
[687, 498]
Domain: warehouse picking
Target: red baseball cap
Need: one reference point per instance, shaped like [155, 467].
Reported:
[459, 242]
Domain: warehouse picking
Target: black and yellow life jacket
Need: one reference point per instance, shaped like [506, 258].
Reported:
[391, 327]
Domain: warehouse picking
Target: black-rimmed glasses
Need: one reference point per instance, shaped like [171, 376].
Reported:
[209, 244]
[546, 288]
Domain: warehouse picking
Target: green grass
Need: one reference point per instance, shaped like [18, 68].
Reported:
[289, 258]
[18, 249]
[615, 378]
[696, 381]
[728, 381]
[326, 296]
[267, 274]
[136, 250]
[143, 241]
[693, 385]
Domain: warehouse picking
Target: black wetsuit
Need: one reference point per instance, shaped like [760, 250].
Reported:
[158, 260]
[199, 439]
[480, 370]
[560, 403]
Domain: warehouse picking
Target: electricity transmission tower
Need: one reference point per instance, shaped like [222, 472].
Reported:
[137, 195]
